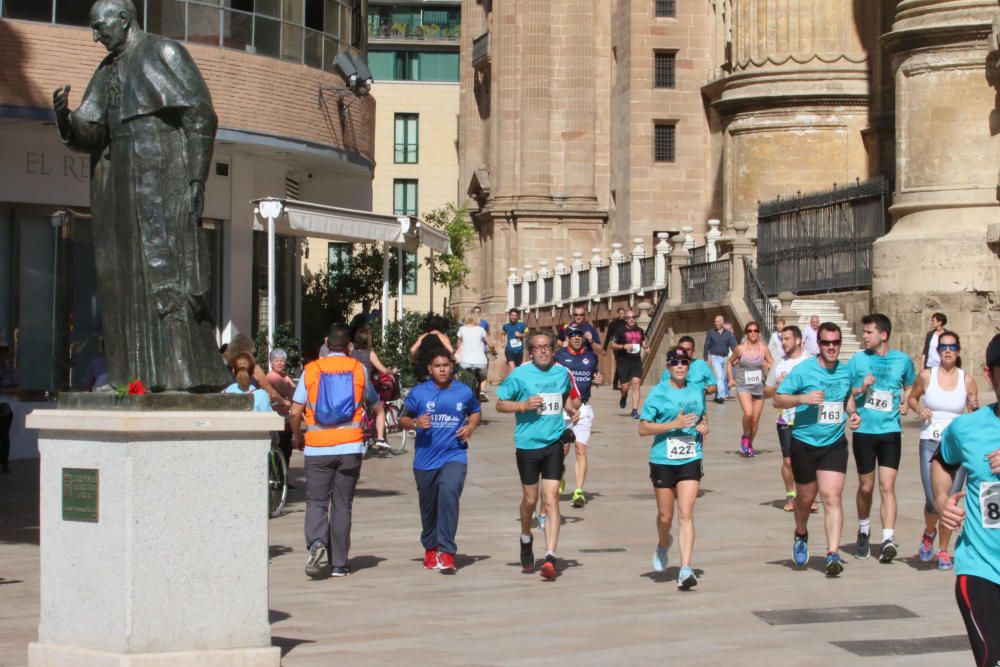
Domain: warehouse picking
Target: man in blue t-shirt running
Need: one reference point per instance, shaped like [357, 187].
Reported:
[971, 442]
[513, 334]
[538, 393]
[444, 414]
[881, 379]
[819, 389]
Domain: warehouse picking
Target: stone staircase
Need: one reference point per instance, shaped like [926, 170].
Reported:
[828, 311]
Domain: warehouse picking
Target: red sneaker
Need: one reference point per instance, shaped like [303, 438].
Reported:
[446, 563]
[431, 559]
[548, 570]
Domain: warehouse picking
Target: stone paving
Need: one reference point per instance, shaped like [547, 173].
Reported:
[607, 606]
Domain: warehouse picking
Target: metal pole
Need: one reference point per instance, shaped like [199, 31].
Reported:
[385, 289]
[430, 306]
[399, 284]
[270, 284]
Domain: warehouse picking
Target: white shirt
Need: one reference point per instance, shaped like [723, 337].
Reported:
[473, 348]
[774, 345]
[809, 341]
[933, 356]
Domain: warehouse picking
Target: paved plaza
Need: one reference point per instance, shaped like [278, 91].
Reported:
[607, 607]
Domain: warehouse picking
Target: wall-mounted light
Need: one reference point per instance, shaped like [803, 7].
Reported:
[355, 73]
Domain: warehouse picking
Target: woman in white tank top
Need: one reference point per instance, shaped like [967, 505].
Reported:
[947, 392]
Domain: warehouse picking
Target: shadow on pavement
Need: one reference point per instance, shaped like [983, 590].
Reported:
[288, 643]
[19, 500]
[375, 493]
[276, 550]
[359, 563]
[465, 560]
[817, 563]
[275, 616]
[917, 564]
[4, 582]
[669, 576]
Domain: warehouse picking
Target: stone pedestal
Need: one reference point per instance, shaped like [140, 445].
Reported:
[154, 542]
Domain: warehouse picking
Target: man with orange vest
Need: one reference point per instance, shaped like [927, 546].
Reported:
[330, 398]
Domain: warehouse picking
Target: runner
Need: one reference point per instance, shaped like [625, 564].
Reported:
[881, 378]
[674, 413]
[819, 389]
[947, 391]
[613, 327]
[719, 342]
[513, 335]
[699, 372]
[774, 345]
[793, 355]
[629, 343]
[538, 393]
[929, 357]
[582, 364]
[970, 442]
[444, 414]
[746, 369]
[591, 339]
[809, 336]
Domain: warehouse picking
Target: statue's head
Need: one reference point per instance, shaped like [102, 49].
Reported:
[111, 21]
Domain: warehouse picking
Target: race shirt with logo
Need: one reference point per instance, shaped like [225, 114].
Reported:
[449, 408]
[879, 406]
[514, 344]
[631, 338]
[536, 429]
[819, 425]
[664, 403]
[582, 366]
[966, 443]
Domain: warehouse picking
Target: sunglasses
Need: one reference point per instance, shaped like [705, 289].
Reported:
[630, 317]
[678, 362]
[948, 347]
[753, 330]
[579, 314]
[829, 343]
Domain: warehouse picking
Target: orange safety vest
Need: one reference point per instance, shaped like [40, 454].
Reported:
[318, 435]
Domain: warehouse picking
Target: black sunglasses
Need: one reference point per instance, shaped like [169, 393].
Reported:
[678, 362]
[829, 343]
[944, 347]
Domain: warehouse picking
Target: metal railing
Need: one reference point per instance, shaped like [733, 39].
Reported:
[822, 241]
[761, 308]
[565, 286]
[518, 297]
[533, 292]
[708, 281]
[647, 269]
[547, 290]
[625, 276]
[603, 279]
[698, 255]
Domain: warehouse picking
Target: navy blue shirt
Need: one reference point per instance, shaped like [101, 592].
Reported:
[585, 327]
[449, 408]
[719, 344]
[581, 366]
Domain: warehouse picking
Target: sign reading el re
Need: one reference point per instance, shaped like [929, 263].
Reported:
[80, 494]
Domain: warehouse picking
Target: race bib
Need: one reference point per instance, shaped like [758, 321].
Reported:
[552, 404]
[880, 400]
[831, 413]
[633, 348]
[935, 429]
[680, 449]
[989, 503]
[515, 343]
[753, 377]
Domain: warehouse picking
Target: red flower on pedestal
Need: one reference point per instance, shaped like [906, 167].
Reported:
[136, 388]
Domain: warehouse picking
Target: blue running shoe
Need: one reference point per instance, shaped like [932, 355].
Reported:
[800, 550]
[661, 557]
[926, 549]
[686, 579]
[834, 564]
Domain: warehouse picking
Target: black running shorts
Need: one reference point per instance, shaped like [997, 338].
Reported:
[785, 439]
[628, 367]
[885, 449]
[666, 477]
[514, 356]
[979, 602]
[546, 462]
[806, 459]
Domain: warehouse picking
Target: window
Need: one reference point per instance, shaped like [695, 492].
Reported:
[665, 142]
[666, 8]
[338, 260]
[407, 138]
[665, 70]
[409, 273]
[31, 10]
[404, 197]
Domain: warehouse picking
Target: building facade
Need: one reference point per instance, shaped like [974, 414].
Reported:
[288, 126]
[588, 124]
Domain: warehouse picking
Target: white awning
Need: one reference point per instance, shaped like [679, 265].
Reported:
[352, 226]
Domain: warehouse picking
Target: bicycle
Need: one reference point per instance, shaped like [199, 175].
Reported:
[395, 435]
[277, 481]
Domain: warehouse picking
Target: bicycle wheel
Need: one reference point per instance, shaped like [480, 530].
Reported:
[277, 482]
[395, 434]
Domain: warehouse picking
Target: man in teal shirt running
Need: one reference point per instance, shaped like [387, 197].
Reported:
[881, 378]
[538, 393]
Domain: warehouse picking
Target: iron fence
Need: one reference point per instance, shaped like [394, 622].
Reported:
[532, 293]
[625, 276]
[564, 285]
[647, 267]
[822, 241]
[547, 290]
[761, 308]
[708, 281]
[698, 255]
[518, 296]
[603, 279]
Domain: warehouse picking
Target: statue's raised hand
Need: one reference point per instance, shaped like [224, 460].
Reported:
[60, 103]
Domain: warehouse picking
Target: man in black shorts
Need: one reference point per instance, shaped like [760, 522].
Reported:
[881, 378]
[819, 389]
[538, 393]
[628, 344]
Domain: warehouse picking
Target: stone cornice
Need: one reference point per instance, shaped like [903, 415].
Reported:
[921, 37]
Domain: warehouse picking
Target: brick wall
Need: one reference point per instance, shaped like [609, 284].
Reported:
[250, 93]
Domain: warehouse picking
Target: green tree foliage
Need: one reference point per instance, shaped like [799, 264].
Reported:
[284, 338]
[451, 270]
[400, 335]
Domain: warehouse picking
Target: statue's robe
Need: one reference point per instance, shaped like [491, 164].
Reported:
[147, 121]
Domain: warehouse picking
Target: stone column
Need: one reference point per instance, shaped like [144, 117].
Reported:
[526, 277]
[617, 258]
[638, 254]
[936, 257]
[576, 270]
[711, 239]
[742, 247]
[512, 283]
[678, 257]
[595, 263]
[662, 253]
[560, 270]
